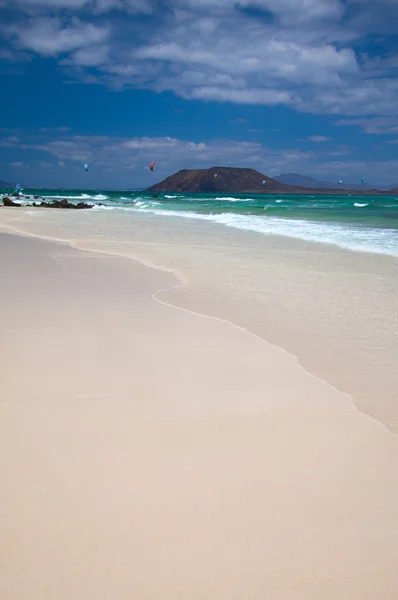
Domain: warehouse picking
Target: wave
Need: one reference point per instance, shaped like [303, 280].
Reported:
[363, 239]
[145, 204]
[359, 205]
[96, 207]
[228, 199]
[81, 197]
[167, 196]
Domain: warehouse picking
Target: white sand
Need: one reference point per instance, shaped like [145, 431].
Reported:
[336, 310]
[147, 452]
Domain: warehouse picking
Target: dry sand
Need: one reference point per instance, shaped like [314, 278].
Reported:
[151, 453]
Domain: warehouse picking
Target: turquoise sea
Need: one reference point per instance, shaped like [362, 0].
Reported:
[364, 223]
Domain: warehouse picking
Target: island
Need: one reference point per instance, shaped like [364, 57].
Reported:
[238, 180]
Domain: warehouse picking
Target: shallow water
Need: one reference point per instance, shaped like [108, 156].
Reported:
[362, 223]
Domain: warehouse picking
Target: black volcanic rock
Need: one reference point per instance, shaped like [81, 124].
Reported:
[9, 202]
[64, 203]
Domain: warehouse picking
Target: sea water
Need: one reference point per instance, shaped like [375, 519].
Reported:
[362, 223]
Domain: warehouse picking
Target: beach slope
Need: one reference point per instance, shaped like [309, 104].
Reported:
[150, 452]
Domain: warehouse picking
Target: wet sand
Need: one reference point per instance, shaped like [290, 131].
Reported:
[336, 310]
[149, 452]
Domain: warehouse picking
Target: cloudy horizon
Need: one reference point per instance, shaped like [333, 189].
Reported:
[307, 86]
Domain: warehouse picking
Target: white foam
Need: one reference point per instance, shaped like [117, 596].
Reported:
[81, 197]
[96, 207]
[363, 239]
[360, 205]
[143, 204]
[166, 196]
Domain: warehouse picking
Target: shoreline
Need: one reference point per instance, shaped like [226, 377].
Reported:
[142, 456]
[181, 296]
[180, 283]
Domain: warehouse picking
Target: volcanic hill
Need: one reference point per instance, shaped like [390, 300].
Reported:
[219, 179]
[236, 180]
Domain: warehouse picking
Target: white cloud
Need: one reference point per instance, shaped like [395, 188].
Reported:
[317, 139]
[128, 158]
[375, 125]
[91, 56]
[130, 6]
[270, 57]
[96, 6]
[170, 153]
[306, 54]
[291, 10]
[53, 3]
[51, 37]
[247, 96]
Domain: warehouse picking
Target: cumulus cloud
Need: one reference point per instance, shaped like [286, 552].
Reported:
[51, 37]
[288, 10]
[92, 56]
[309, 55]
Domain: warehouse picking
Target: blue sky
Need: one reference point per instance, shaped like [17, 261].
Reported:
[307, 86]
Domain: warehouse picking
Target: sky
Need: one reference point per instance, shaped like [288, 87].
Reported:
[304, 86]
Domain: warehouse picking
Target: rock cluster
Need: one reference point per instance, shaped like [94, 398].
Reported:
[64, 203]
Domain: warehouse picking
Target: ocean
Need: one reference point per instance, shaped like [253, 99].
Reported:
[361, 223]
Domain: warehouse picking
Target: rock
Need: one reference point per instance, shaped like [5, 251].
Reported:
[9, 202]
[64, 203]
[15, 195]
[36, 197]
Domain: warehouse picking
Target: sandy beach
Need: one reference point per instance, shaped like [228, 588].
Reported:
[175, 432]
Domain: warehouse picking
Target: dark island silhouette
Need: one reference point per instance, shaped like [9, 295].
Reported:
[237, 180]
